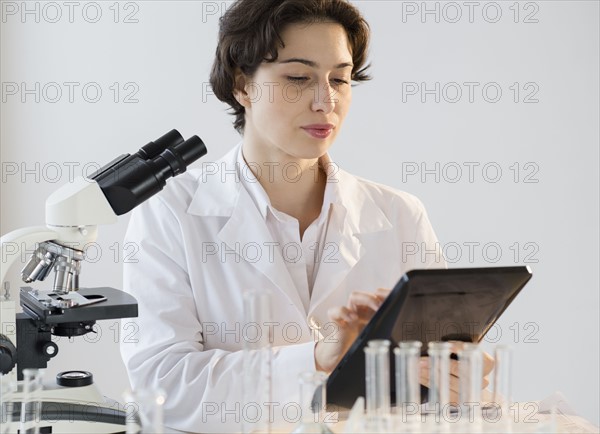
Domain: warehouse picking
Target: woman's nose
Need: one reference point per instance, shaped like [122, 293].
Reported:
[323, 98]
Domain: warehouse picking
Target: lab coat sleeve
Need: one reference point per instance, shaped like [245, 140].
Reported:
[203, 387]
[428, 248]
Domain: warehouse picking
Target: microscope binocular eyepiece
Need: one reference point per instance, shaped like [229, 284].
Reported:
[131, 179]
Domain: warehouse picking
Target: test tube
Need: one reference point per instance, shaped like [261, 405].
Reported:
[377, 373]
[31, 410]
[312, 401]
[408, 388]
[257, 361]
[8, 412]
[470, 367]
[503, 378]
[439, 377]
[144, 409]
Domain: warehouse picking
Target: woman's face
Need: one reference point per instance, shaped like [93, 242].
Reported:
[297, 104]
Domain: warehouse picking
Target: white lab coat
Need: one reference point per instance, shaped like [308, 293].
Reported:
[189, 282]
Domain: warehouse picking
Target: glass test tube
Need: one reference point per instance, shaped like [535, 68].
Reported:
[257, 361]
[312, 402]
[503, 378]
[408, 388]
[144, 408]
[439, 376]
[377, 375]
[31, 410]
[8, 413]
[470, 367]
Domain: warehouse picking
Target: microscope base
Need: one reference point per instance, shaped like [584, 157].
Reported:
[69, 410]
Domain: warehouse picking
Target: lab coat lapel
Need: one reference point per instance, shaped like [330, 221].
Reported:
[245, 231]
[341, 252]
[355, 213]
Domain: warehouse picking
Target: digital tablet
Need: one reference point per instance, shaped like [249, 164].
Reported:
[429, 305]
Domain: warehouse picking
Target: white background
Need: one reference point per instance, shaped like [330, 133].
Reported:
[163, 61]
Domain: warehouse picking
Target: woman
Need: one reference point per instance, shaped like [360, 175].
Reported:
[273, 213]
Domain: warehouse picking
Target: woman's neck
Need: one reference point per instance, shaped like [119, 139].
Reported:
[294, 186]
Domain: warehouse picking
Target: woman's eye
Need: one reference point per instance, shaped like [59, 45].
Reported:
[297, 79]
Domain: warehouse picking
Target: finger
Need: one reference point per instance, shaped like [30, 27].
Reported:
[382, 293]
[485, 382]
[453, 384]
[454, 397]
[488, 363]
[455, 349]
[342, 315]
[487, 359]
[347, 314]
[454, 368]
[456, 346]
[360, 299]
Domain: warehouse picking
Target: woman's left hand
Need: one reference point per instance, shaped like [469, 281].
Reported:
[488, 366]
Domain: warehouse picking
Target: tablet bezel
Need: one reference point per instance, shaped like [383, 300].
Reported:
[396, 302]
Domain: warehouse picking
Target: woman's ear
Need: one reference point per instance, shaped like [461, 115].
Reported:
[239, 90]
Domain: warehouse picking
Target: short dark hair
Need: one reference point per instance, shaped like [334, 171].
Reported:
[250, 30]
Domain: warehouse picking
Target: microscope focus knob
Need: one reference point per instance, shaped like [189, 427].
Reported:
[8, 355]
[50, 349]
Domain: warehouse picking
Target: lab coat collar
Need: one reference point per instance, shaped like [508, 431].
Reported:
[253, 186]
[219, 189]
[220, 193]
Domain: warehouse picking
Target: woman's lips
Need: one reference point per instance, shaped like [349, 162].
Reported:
[318, 133]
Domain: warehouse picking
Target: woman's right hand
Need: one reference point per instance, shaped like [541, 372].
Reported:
[349, 321]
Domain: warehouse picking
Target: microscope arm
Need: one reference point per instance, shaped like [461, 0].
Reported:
[72, 215]
[13, 246]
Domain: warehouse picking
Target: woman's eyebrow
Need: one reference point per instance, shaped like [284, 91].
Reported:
[314, 64]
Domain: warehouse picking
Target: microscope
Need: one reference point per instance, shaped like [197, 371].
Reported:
[73, 214]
